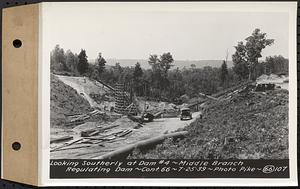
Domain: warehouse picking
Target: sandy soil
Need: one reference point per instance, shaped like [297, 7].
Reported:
[84, 86]
[171, 124]
[65, 100]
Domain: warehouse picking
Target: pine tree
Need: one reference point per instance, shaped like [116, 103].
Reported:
[71, 62]
[100, 64]
[137, 78]
[82, 63]
[58, 60]
[138, 72]
[224, 72]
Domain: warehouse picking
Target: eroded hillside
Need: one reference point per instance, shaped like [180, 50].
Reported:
[64, 100]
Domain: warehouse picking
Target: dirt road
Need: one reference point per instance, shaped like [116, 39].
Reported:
[171, 124]
[149, 130]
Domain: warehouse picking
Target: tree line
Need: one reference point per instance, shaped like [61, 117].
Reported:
[163, 83]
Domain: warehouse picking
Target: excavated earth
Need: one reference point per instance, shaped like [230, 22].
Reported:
[71, 96]
[245, 125]
[64, 100]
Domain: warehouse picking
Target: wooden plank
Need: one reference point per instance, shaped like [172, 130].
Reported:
[61, 139]
[107, 127]
[67, 144]
[89, 133]
[73, 147]
[124, 133]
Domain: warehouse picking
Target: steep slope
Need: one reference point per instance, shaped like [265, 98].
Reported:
[64, 100]
[85, 87]
[246, 125]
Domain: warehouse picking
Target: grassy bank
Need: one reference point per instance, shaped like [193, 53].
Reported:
[245, 126]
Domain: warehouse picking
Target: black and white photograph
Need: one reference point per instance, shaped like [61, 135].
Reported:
[157, 94]
[169, 90]
[165, 84]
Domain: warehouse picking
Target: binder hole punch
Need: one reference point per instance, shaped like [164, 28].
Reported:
[16, 146]
[17, 43]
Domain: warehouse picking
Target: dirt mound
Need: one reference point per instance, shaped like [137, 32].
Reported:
[64, 100]
[246, 126]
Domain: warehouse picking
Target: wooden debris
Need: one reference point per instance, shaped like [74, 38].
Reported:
[80, 118]
[73, 114]
[74, 123]
[72, 147]
[67, 144]
[90, 132]
[107, 137]
[110, 138]
[74, 141]
[107, 127]
[124, 133]
[77, 119]
[87, 142]
[94, 133]
[96, 113]
[109, 133]
[90, 141]
[61, 139]
[86, 133]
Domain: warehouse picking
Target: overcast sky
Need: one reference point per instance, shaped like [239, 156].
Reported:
[134, 33]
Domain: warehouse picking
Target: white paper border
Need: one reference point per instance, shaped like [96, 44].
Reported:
[44, 95]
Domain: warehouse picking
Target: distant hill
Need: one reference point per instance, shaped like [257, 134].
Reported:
[177, 63]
